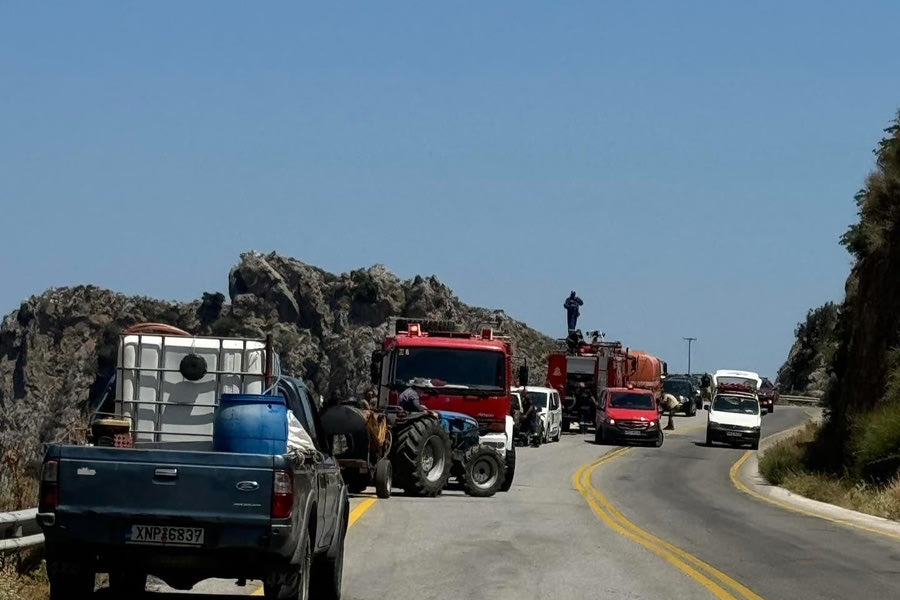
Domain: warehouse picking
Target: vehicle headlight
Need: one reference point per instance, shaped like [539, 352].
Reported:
[651, 424]
[611, 421]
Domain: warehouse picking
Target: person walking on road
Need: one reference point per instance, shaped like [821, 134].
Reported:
[572, 311]
[670, 403]
[705, 387]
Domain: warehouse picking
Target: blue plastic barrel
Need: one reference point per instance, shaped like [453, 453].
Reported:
[250, 424]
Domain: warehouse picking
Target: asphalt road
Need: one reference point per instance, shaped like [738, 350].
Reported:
[644, 523]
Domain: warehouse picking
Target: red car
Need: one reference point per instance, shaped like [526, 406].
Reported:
[768, 395]
[628, 414]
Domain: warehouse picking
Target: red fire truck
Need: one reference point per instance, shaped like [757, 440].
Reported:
[581, 370]
[459, 371]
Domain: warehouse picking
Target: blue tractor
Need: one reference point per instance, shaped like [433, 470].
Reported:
[479, 468]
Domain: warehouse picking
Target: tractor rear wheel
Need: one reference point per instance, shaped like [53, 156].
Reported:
[421, 457]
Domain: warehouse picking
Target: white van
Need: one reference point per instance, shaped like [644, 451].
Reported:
[548, 405]
[734, 416]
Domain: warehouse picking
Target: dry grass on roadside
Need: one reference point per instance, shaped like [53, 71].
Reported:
[22, 586]
[18, 486]
[784, 464]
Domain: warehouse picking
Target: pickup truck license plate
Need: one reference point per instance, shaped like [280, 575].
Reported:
[632, 433]
[734, 434]
[158, 535]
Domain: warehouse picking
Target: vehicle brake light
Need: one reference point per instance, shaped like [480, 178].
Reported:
[282, 494]
[414, 329]
[49, 485]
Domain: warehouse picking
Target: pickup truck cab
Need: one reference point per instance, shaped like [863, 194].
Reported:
[181, 511]
[733, 417]
[628, 414]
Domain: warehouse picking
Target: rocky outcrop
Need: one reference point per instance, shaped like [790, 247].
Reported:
[57, 349]
[805, 372]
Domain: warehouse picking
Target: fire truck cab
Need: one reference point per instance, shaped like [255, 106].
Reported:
[457, 371]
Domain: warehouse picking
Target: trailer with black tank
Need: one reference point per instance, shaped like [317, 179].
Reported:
[191, 474]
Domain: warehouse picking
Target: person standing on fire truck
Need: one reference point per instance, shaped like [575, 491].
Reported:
[572, 311]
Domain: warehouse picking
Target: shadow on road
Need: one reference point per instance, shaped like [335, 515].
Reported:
[721, 446]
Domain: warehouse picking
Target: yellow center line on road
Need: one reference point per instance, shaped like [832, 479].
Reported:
[702, 572]
[735, 479]
[355, 514]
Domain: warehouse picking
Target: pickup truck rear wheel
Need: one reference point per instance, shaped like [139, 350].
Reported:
[510, 469]
[71, 582]
[326, 582]
[295, 585]
[485, 471]
[384, 478]
[422, 457]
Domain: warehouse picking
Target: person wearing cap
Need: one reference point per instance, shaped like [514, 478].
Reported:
[409, 400]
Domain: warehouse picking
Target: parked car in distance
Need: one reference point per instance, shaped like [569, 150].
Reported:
[682, 387]
[628, 415]
[768, 395]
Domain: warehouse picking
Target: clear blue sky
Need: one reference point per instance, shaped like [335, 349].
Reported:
[688, 167]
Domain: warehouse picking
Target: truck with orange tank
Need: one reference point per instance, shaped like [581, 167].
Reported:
[647, 372]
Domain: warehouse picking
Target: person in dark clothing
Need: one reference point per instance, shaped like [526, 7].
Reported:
[530, 421]
[572, 311]
[409, 400]
[705, 388]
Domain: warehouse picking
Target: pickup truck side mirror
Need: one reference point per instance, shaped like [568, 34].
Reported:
[706, 407]
[375, 367]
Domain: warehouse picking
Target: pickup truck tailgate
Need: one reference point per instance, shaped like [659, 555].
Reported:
[125, 487]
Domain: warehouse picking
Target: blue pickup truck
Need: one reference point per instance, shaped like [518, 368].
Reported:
[182, 513]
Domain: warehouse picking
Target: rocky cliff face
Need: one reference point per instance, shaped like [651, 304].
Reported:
[862, 429]
[58, 349]
[805, 372]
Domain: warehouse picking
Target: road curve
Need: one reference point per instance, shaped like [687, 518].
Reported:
[685, 495]
[544, 539]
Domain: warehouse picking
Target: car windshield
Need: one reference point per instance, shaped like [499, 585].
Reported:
[453, 367]
[631, 400]
[679, 387]
[736, 404]
[539, 399]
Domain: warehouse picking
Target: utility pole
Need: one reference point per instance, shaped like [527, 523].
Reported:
[689, 340]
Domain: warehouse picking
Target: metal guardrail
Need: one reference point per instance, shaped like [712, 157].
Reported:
[799, 399]
[18, 530]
